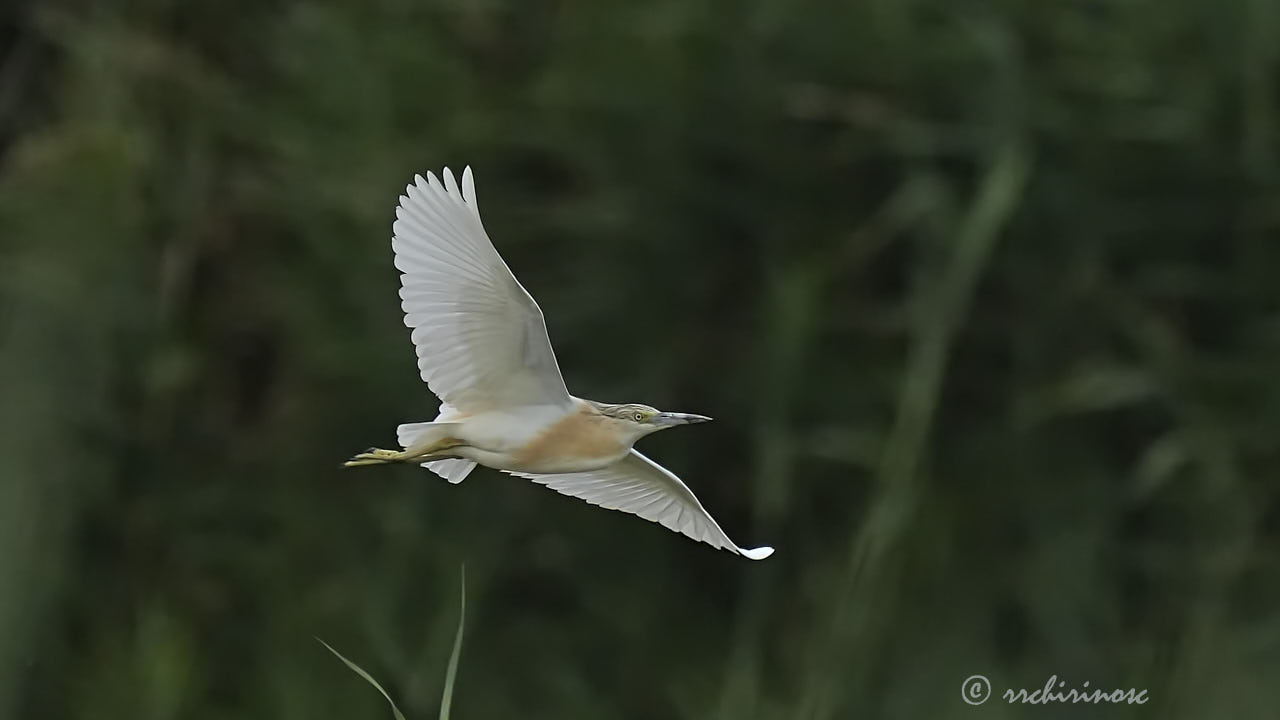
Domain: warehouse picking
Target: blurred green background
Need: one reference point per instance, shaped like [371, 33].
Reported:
[981, 294]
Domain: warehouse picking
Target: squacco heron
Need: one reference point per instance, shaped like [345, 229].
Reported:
[483, 349]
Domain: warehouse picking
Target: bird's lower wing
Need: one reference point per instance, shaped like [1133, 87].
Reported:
[637, 485]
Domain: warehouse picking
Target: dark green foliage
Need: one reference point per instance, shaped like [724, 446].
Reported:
[981, 295]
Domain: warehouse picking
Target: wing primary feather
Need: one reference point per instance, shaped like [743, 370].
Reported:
[640, 486]
[428, 194]
[452, 186]
[469, 191]
[439, 218]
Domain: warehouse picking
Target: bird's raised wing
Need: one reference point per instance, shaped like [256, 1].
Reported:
[481, 340]
[638, 485]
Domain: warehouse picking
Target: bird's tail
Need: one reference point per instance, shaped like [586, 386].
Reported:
[455, 470]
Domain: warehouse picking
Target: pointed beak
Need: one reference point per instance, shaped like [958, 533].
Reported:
[674, 418]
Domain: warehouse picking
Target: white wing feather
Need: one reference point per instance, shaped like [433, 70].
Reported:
[637, 485]
[481, 339]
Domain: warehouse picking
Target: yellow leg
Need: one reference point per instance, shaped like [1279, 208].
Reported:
[378, 456]
[432, 451]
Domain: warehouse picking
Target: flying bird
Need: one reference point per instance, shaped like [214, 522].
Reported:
[483, 349]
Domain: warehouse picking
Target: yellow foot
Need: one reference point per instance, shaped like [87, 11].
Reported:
[375, 456]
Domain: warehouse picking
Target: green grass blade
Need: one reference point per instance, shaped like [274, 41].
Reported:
[451, 673]
[369, 679]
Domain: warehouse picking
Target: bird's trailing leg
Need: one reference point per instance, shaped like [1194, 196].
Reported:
[416, 454]
[375, 456]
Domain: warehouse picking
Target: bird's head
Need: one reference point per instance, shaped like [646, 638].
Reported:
[635, 421]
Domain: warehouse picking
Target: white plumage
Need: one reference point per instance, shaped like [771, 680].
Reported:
[636, 484]
[483, 348]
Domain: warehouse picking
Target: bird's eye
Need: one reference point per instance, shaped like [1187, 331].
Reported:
[638, 417]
